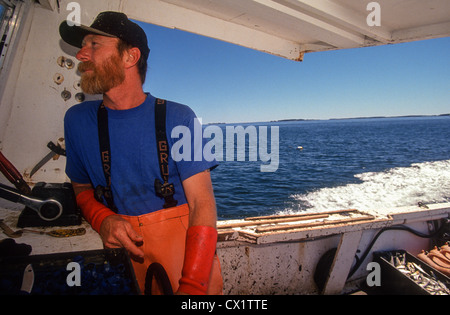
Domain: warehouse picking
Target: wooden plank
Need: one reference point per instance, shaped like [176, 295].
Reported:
[272, 221]
[299, 215]
[342, 263]
[311, 224]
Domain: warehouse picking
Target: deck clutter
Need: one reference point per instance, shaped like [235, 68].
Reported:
[334, 246]
[275, 253]
[406, 274]
[95, 272]
[438, 258]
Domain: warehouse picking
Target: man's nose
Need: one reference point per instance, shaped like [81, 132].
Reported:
[82, 54]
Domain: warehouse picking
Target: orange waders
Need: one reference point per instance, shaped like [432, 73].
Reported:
[164, 234]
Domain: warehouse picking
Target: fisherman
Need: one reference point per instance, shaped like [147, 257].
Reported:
[126, 185]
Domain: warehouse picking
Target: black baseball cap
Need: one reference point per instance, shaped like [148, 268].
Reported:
[109, 23]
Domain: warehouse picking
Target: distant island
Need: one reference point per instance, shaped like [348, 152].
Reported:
[369, 117]
[302, 119]
[404, 116]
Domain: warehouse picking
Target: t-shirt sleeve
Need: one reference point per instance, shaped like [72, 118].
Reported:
[187, 143]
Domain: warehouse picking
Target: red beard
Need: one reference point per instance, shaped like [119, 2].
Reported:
[103, 77]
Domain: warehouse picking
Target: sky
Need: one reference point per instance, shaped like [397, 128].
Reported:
[226, 83]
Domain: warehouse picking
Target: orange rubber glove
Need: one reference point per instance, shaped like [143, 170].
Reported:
[199, 256]
[93, 211]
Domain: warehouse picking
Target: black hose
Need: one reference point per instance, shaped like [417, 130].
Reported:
[157, 270]
[395, 227]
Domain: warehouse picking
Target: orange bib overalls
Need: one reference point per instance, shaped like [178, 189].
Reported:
[164, 234]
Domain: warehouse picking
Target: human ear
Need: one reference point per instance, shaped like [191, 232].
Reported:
[132, 56]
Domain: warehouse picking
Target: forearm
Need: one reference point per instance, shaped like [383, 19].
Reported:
[78, 188]
[203, 213]
[200, 197]
[201, 236]
[199, 256]
[93, 211]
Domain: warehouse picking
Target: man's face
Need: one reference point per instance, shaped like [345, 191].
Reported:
[101, 66]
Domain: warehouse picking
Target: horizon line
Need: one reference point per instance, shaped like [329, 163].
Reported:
[326, 119]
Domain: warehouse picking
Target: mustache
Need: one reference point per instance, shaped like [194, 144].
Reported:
[86, 65]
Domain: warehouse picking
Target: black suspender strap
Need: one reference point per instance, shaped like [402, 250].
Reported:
[105, 155]
[163, 190]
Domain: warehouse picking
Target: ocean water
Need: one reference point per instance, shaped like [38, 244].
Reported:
[355, 163]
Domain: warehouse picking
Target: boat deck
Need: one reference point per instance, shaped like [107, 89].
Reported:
[278, 254]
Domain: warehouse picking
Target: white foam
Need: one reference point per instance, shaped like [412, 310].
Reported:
[427, 182]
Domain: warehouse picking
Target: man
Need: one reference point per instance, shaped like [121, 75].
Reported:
[114, 155]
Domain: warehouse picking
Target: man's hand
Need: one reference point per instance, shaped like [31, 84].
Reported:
[116, 232]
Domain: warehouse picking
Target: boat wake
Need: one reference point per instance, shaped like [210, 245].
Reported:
[427, 182]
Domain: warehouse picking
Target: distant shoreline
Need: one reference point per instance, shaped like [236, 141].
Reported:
[369, 117]
[303, 119]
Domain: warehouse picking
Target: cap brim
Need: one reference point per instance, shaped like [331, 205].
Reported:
[74, 35]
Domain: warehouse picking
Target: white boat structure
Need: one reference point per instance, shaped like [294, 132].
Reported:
[263, 255]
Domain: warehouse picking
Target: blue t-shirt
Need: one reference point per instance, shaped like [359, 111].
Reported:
[134, 159]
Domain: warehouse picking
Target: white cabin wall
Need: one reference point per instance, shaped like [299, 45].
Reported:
[32, 108]
[11, 66]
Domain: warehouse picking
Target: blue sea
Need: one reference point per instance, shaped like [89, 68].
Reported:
[369, 163]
